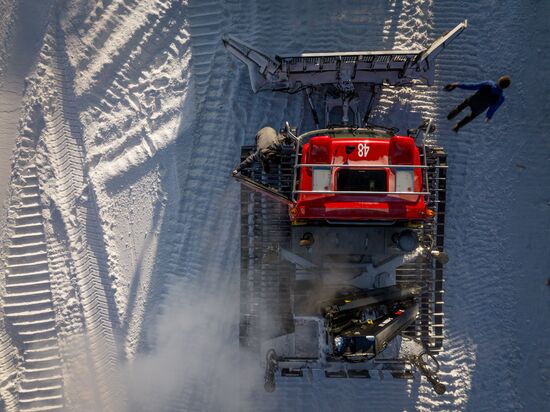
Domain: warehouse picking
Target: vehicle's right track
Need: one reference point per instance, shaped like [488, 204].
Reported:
[266, 281]
[425, 270]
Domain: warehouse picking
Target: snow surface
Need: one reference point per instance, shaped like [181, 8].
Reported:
[120, 235]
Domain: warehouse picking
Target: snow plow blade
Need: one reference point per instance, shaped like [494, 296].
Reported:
[260, 188]
[261, 68]
[292, 73]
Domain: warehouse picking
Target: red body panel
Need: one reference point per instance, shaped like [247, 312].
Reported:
[355, 153]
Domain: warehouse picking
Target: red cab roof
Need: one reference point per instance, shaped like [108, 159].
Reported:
[350, 178]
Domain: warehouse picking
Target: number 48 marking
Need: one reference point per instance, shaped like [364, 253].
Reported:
[363, 149]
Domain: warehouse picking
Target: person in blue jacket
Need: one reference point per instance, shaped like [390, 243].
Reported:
[489, 95]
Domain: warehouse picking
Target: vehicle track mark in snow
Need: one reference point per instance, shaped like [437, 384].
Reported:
[27, 303]
[205, 21]
[139, 51]
[77, 366]
[123, 23]
[22, 26]
[135, 110]
[69, 193]
[32, 377]
[8, 369]
[130, 116]
[136, 101]
[201, 225]
[408, 28]
[197, 144]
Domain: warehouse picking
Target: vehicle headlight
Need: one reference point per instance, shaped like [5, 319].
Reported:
[339, 344]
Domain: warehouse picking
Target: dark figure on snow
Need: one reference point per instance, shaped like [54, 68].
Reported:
[268, 149]
[489, 95]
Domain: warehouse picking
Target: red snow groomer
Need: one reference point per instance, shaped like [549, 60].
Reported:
[342, 238]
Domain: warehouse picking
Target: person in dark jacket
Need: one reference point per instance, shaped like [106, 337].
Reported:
[268, 148]
[489, 96]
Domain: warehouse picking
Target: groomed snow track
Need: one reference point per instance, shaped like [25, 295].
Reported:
[55, 232]
[28, 304]
[29, 308]
[8, 370]
[72, 196]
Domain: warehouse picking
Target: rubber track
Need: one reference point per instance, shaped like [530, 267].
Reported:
[266, 282]
[425, 270]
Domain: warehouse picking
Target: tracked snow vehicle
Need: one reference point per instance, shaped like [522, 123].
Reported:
[342, 241]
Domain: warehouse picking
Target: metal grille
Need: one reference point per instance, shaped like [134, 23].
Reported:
[425, 270]
[266, 308]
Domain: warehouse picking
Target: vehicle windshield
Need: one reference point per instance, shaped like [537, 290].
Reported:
[353, 180]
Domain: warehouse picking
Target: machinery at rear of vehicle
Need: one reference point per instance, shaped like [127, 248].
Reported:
[342, 240]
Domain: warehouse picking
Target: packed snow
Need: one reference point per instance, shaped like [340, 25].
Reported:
[120, 122]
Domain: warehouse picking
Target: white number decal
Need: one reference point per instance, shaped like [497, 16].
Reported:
[363, 149]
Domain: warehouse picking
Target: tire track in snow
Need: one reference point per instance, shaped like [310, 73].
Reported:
[205, 20]
[199, 227]
[101, 21]
[23, 356]
[200, 146]
[8, 352]
[120, 73]
[122, 97]
[202, 31]
[409, 29]
[203, 256]
[8, 370]
[133, 114]
[28, 303]
[77, 365]
[73, 197]
[10, 99]
[135, 102]
[123, 23]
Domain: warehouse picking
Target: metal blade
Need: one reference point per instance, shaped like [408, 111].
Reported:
[264, 190]
[261, 67]
[425, 63]
[291, 73]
